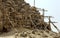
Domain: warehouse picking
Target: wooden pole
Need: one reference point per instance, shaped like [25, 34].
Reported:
[43, 13]
[52, 23]
[49, 26]
[55, 26]
[34, 3]
[49, 21]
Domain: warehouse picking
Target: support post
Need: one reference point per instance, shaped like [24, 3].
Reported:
[34, 3]
[43, 13]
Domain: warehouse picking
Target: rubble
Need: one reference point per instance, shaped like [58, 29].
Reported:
[37, 34]
[17, 14]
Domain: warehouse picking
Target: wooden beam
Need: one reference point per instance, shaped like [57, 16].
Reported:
[43, 12]
[56, 27]
[54, 22]
[47, 16]
[34, 3]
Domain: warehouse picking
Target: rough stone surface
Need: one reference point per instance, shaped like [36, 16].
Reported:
[37, 34]
[16, 16]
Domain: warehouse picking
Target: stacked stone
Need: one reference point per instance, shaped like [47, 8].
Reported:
[17, 14]
[37, 34]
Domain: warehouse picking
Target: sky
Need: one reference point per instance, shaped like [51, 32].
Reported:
[53, 7]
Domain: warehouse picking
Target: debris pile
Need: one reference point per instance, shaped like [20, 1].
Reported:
[37, 34]
[17, 14]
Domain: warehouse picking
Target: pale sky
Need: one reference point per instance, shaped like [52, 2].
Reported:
[53, 7]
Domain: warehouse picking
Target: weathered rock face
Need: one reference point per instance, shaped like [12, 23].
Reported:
[17, 14]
